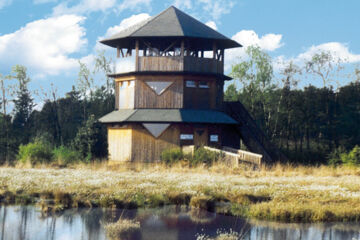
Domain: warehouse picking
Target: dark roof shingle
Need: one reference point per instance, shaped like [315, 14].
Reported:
[170, 23]
[168, 115]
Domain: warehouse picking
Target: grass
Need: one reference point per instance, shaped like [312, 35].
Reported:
[223, 235]
[122, 229]
[282, 193]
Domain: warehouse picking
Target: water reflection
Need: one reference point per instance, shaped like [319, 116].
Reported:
[171, 222]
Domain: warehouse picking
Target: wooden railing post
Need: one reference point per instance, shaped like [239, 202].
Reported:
[137, 55]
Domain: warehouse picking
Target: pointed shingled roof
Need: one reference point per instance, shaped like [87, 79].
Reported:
[171, 23]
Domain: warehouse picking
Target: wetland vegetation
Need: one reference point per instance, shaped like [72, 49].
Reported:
[280, 193]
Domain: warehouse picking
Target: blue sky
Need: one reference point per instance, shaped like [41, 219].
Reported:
[50, 36]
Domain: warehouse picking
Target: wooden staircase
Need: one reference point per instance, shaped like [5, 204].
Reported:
[252, 136]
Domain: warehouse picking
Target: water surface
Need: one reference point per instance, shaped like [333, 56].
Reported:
[171, 222]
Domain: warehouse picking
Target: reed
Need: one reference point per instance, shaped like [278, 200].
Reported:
[281, 192]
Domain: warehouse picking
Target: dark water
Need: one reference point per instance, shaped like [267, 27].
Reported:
[27, 222]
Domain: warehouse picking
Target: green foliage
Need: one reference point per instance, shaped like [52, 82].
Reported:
[172, 155]
[23, 104]
[231, 94]
[352, 158]
[64, 155]
[340, 156]
[35, 153]
[86, 138]
[203, 156]
[334, 158]
[200, 156]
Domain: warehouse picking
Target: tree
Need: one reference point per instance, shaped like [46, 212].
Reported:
[23, 104]
[289, 80]
[256, 75]
[85, 83]
[6, 91]
[357, 74]
[87, 138]
[324, 65]
[231, 94]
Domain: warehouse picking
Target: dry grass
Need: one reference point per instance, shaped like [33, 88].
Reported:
[282, 192]
[122, 229]
[223, 235]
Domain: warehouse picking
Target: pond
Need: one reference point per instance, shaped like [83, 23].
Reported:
[170, 222]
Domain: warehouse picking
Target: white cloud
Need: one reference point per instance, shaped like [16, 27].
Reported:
[121, 64]
[4, 3]
[268, 42]
[89, 6]
[134, 5]
[209, 8]
[127, 22]
[183, 3]
[339, 51]
[211, 24]
[43, 1]
[44, 45]
[84, 7]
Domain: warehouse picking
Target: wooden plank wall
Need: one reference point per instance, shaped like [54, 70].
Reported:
[209, 65]
[202, 98]
[160, 64]
[146, 148]
[119, 144]
[172, 97]
[134, 143]
[189, 64]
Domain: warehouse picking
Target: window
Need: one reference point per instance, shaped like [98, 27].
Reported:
[190, 84]
[131, 83]
[203, 84]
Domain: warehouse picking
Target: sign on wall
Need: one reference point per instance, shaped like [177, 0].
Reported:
[186, 136]
[214, 138]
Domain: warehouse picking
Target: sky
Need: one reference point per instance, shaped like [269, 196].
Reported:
[50, 37]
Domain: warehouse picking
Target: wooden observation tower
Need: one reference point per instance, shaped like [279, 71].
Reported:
[174, 97]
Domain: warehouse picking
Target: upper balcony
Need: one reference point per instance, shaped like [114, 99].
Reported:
[179, 64]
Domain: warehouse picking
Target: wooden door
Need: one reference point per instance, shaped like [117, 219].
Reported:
[200, 136]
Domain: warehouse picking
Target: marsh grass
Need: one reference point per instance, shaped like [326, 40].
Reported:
[223, 235]
[122, 229]
[282, 192]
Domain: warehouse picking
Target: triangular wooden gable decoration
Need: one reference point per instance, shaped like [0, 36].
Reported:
[159, 87]
[156, 129]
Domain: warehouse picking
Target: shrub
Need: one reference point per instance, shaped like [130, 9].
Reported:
[172, 155]
[353, 157]
[202, 155]
[334, 158]
[64, 155]
[340, 156]
[35, 152]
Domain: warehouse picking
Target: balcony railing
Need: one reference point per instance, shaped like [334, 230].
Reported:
[180, 64]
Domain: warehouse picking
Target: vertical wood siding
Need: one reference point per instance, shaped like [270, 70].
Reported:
[172, 97]
[188, 64]
[119, 144]
[203, 98]
[146, 148]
